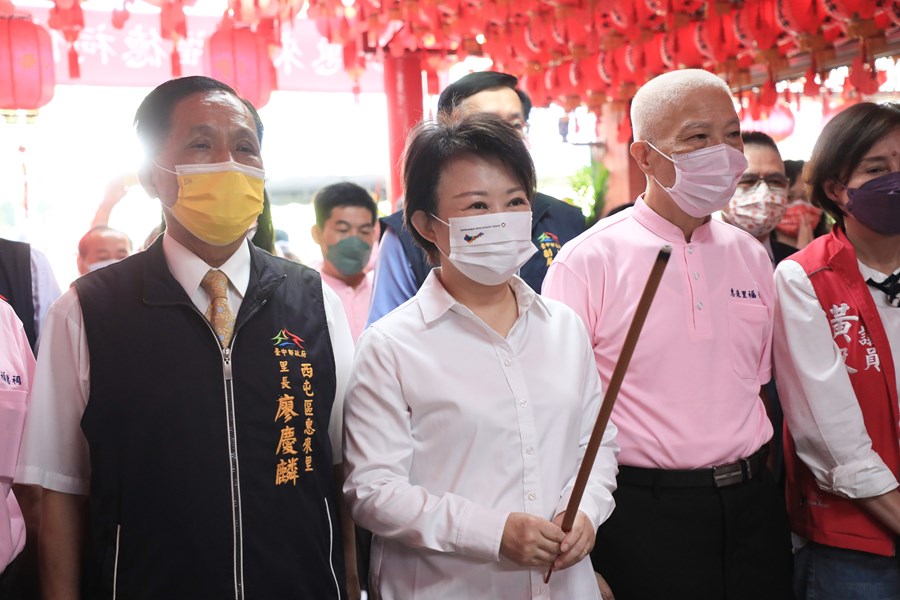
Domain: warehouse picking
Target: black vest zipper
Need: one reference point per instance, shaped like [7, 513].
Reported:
[233, 462]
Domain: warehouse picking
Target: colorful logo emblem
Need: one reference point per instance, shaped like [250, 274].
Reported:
[471, 238]
[286, 339]
[548, 237]
[549, 244]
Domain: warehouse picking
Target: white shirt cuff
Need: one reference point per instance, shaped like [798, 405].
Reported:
[861, 479]
[52, 481]
[480, 532]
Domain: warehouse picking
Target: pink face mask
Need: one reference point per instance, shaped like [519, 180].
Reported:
[705, 180]
[757, 210]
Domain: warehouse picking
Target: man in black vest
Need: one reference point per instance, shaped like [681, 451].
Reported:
[402, 266]
[187, 430]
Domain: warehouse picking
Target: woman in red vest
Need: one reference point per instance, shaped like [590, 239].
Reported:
[836, 347]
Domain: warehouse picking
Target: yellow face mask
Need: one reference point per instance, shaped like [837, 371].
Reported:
[218, 202]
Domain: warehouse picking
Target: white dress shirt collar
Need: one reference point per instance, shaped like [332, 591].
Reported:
[434, 299]
[188, 270]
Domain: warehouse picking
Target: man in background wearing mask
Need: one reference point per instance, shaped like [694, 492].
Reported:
[100, 247]
[760, 199]
[345, 230]
[802, 222]
[402, 267]
[757, 207]
[185, 422]
[697, 514]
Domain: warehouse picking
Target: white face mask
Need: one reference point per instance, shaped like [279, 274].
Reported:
[757, 210]
[705, 180]
[490, 248]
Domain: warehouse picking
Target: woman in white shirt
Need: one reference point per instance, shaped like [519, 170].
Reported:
[836, 349]
[470, 406]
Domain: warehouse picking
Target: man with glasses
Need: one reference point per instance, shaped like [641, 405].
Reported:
[760, 200]
[402, 266]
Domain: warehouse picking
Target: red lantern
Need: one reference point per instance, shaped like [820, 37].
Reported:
[801, 17]
[26, 64]
[690, 46]
[849, 10]
[657, 59]
[67, 17]
[889, 16]
[757, 23]
[719, 32]
[236, 55]
[779, 123]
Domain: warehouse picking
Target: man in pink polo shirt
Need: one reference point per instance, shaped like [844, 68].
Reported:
[697, 513]
[16, 373]
[346, 230]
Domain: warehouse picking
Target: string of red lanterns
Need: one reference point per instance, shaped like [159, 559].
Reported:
[567, 51]
[587, 51]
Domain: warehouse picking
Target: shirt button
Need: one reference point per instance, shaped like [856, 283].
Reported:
[507, 362]
[690, 249]
[529, 450]
[541, 590]
[532, 496]
[696, 274]
[699, 306]
[523, 403]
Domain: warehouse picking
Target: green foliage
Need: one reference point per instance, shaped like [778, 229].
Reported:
[590, 186]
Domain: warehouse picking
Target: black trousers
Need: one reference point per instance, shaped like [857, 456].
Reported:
[729, 543]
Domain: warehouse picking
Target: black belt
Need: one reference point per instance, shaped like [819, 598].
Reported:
[733, 473]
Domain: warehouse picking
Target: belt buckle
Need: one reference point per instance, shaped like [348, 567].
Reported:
[728, 474]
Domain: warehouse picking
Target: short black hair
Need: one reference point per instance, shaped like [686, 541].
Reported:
[841, 146]
[153, 118]
[475, 83]
[793, 169]
[758, 138]
[433, 144]
[340, 194]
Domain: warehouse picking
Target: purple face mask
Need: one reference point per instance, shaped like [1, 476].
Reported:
[876, 204]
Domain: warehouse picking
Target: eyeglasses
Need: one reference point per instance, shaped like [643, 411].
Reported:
[750, 181]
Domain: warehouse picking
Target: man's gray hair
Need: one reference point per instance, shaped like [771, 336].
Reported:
[651, 103]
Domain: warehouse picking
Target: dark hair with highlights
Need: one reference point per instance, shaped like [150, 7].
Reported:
[433, 144]
[841, 146]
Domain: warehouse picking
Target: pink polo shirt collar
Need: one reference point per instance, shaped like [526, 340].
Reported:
[671, 233]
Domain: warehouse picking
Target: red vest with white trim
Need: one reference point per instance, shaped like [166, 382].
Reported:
[831, 265]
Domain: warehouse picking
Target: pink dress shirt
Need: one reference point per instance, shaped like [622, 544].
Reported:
[690, 398]
[354, 299]
[16, 372]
